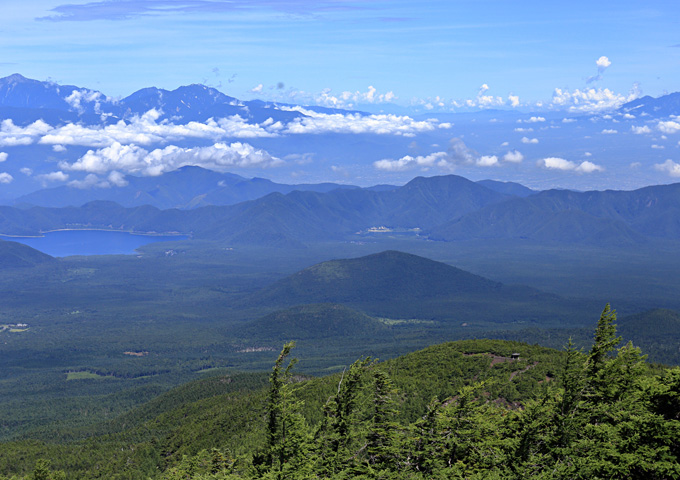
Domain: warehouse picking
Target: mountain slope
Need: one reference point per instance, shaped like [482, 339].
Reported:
[13, 254]
[227, 411]
[507, 188]
[187, 187]
[381, 277]
[599, 217]
[656, 331]
[446, 208]
[321, 322]
[399, 285]
[663, 106]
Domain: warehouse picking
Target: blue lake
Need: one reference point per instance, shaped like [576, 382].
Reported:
[90, 242]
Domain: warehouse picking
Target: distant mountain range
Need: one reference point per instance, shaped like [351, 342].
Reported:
[663, 106]
[50, 101]
[76, 120]
[184, 188]
[26, 100]
[191, 187]
[444, 208]
[599, 217]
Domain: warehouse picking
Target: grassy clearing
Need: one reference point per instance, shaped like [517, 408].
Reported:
[411, 321]
[83, 376]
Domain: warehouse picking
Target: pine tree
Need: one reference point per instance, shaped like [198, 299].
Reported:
[287, 444]
[336, 433]
[604, 343]
[382, 436]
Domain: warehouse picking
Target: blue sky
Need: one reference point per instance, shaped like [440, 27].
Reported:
[428, 53]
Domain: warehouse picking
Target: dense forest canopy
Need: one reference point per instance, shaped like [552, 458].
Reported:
[497, 410]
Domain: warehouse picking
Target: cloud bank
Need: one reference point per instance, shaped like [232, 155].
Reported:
[137, 160]
[591, 100]
[669, 167]
[557, 163]
[457, 154]
[146, 130]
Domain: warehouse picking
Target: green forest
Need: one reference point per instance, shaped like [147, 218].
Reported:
[468, 409]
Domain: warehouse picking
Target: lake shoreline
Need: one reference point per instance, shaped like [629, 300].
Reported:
[131, 232]
[68, 242]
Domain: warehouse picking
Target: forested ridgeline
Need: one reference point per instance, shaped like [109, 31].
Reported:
[471, 409]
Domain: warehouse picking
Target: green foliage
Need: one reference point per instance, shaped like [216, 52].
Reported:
[287, 433]
[605, 341]
[42, 471]
[604, 414]
[336, 436]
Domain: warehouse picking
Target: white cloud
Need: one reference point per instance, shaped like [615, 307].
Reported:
[556, 163]
[603, 63]
[300, 158]
[12, 135]
[628, 116]
[140, 130]
[520, 129]
[117, 179]
[6, 178]
[58, 148]
[513, 157]
[457, 154]
[115, 157]
[257, 89]
[609, 131]
[568, 120]
[589, 167]
[587, 154]
[26, 171]
[669, 127]
[640, 130]
[487, 161]
[483, 101]
[78, 97]
[134, 159]
[345, 99]
[317, 123]
[535, 120]
[591, 100]
[529, 140]
[670, 167]
[408, 162]
[58, 176]
[90, 181]
[487, 100]
[3, 156]
[658, 147]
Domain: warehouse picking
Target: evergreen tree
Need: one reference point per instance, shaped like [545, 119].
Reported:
[427, 440]
[336, 434]
[604, 343]
[382, 437]
[287, 443]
